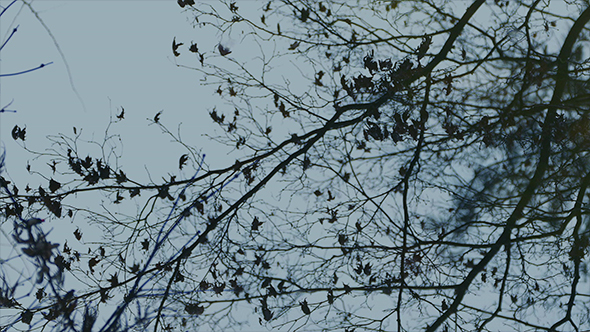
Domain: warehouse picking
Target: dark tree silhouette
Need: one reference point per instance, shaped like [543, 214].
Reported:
[401, 165]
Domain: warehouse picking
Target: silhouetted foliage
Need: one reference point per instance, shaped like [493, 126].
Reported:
[403, 165]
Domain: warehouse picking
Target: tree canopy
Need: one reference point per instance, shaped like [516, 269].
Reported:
[399, 166]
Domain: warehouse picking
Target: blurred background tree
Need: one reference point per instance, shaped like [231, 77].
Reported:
[400, 165]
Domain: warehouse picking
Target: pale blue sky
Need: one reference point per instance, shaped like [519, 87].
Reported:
[119, 54]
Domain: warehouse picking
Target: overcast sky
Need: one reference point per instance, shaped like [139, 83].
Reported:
[119, 54]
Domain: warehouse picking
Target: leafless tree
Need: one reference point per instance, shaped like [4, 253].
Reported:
[400, 165]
